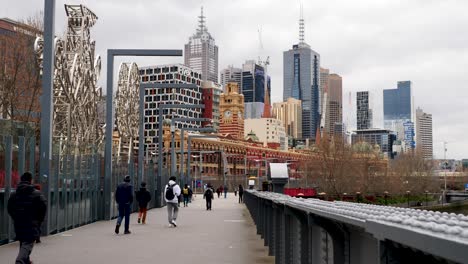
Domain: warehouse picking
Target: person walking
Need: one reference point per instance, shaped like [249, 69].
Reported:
[38, 239]
[208, 195]
[241, 193]
[190, 194]
[218, 191]
[143, 197]
[186, 193]
[225, 191]
[172, 194]
[124, 199]
[27, 207]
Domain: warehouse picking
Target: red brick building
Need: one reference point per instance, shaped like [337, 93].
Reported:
[19, 75]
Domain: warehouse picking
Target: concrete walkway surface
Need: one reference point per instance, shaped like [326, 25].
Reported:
[224, 235]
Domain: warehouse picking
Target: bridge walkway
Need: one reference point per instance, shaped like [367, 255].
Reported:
[224, 235]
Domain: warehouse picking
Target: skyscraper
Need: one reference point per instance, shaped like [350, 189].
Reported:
[201, 53]
[253, 89]
[301, 69]
[335, 103]
[397, 108]
[171, 73]
[424, 133]
[290, 113]
[231, 74]
[364, 113]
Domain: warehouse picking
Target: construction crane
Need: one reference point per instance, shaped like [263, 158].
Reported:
[264, 63]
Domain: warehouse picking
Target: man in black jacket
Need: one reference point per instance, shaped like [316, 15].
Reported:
[27, 207]
[124, 198]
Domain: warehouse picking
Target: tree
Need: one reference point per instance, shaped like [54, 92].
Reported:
[20, 82]
[414, 173]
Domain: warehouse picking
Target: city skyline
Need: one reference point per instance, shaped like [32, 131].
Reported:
[364, 42]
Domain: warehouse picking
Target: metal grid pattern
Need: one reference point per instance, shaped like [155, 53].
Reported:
[316, 231]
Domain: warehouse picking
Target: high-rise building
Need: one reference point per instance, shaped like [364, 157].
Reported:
[424, 133]
[290, 114]
[172, 73]
[253, 89]
[397, 105]
[211, 94]
[201, 53]
[301, 80]
[323, 95]
[270, 131]
[335, 103]
[363, 111]
[382, 137]
[231, 74]
[232, 111]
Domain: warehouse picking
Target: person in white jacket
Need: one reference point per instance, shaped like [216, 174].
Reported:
[172, 193]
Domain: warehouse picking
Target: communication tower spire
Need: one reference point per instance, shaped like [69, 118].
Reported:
[301, 26]
[201, 22]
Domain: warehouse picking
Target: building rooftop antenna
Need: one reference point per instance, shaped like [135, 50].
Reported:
[301, 26]
[201, 22]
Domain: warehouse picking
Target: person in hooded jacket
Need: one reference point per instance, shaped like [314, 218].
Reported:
[208, 195]
[27, 207]
[172, 194]
[143, 197]
[124, 198]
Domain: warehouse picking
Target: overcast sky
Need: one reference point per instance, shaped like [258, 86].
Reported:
[371, 44]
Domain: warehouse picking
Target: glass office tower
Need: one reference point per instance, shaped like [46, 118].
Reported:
[397, 108]
[301, 81]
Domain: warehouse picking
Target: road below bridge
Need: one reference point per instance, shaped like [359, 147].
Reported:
[224, 235]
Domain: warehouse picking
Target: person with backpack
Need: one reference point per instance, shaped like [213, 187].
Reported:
[27, 207]
[186, 193]
[143, 197]
[124, 199]
[172, 194]
[241, 193]
[208, 195]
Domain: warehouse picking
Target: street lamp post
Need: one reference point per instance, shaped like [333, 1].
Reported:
[203, 129]
[385, 197]
[189, 148]
[160, 134]
[358, 197]
[173, 154]
[407, 195]
[426, 192]
[445, 171]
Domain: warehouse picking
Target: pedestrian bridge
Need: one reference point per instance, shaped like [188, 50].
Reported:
[299, 230]
[224, 235]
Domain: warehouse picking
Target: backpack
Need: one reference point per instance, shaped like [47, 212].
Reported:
[170, 192]
[186, 192]
[209, 194]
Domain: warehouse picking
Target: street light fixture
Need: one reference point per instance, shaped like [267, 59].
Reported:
[386, 196]
[182, 119]
[408, 194]
[426, 192]
[189, 148]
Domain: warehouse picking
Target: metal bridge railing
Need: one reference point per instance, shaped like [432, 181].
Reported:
[297, 230]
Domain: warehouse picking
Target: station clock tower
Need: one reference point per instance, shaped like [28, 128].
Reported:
[231, 107]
